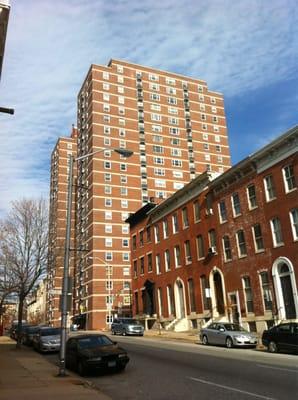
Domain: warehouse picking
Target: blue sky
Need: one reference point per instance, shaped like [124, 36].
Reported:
[246, 49]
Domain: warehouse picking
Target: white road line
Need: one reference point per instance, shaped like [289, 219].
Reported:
[231, 388]
[280, 369]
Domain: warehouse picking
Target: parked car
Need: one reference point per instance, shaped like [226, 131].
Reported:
[13, 331]
[282, 337]
[228, 334]
[47, 339]
[93, 353]
[28, 333]
[127, 326]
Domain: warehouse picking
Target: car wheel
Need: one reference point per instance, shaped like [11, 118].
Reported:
[124, 332]
[229, 343]
[81, 368]
[122, 368]
[205, 340]
[272, 347]
[113, 332]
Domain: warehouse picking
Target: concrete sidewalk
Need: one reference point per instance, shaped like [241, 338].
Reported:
[27, 375]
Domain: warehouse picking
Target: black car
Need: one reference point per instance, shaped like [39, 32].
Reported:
[28, 333]
[14, 329]
[282, 337]
[94, 353]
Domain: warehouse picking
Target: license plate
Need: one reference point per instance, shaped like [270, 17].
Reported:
[111, 364]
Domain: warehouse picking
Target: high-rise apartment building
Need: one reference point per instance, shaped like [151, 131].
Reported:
[176, 128]
[57, 222]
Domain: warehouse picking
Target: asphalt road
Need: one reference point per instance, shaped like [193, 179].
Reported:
[165, 370]
[169, 371]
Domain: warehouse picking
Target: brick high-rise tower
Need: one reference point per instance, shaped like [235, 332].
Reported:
[176, 128]
[57, 223]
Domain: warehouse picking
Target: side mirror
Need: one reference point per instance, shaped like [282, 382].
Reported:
[115, 342]
[221, 329]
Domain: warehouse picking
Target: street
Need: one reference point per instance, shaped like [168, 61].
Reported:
[163, 370]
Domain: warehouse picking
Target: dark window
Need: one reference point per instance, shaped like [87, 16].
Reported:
[259, 245]
[266, 290]
[206, 293]
[222, 211]
[141, 238]
[200, 246]
[142, 265]
[185, 218]
[236, 204]
[248, 294]
[252, 196]
[187, 251]
[197, 211]
[134, 242]
[149, 260]
[227, 248]
[242, 251]
[148, 233]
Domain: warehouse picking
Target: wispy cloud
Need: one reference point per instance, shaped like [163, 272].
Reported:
[235, 46]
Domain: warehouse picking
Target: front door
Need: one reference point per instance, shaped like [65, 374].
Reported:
[287, 292]
[181, 300]
[219, 293]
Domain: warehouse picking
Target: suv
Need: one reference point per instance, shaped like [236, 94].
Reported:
[47, 339]
[127, 326]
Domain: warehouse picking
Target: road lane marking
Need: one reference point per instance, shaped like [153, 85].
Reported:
[280, 369]
[231, 388]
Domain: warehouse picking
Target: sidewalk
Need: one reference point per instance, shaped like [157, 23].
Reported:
[27, 375]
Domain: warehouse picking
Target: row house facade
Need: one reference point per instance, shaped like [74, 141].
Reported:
[223, 247]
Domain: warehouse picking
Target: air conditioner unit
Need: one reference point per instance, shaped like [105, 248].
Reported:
[209, 211]
[212, 250]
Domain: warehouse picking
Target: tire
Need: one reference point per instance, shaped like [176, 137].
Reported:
[205, 340]
[272, 347]
[124, 332]
[81, 368]
[229, 343]
[122, 368]
[113, 332]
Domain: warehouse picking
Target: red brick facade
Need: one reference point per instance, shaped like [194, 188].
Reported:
[248, 224]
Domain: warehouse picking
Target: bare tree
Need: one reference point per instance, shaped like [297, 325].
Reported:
[7, 287]
[23, 247]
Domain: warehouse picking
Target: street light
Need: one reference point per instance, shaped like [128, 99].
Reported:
[72, 159]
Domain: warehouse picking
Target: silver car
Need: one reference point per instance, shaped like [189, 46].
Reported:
[47, 339]
[227, 334]
[127, 326]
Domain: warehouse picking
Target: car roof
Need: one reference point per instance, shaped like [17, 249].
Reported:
[89, 335]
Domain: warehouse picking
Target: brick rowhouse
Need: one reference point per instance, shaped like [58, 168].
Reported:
[222, 248]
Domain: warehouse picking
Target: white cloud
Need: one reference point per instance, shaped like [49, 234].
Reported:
[234, 46]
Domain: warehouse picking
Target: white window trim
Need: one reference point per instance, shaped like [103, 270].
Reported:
[295, 236]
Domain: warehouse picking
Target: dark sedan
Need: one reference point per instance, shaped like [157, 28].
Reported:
[282, 337]
[94, 353]
[28, 334]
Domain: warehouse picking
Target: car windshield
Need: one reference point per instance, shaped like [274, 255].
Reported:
[234, 327]
[131, 321]
[50, 332]
[94, 341]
